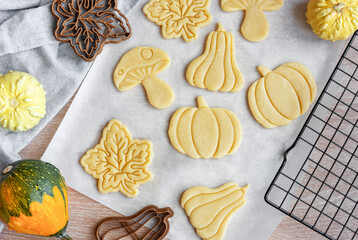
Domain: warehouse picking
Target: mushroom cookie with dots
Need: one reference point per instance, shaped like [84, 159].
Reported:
[209, 210]
[22, 101]
[216, 69]
[205, 132]
[282, 95]
[141, 65]
[255, 26]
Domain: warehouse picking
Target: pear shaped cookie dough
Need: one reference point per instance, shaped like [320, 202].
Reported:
[216, 69]
[141, 65]
[210, 210]
[22, 101]
[205, 132]
[255, 26]
[119, 162]
[281, 95]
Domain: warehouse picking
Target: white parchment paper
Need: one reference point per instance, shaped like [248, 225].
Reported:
[256, 161]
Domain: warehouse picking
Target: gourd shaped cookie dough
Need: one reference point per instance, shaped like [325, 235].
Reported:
[119, 162]
[22, 101]
[205, 132]
[179, 18]
[255, 26]
[216, 69]
[281, 95]
[210, 210]
[141, 65]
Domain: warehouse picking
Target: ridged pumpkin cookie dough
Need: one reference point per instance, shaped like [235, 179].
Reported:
[281, 95]
[205, 132]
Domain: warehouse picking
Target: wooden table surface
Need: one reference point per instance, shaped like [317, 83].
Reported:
[83, 221]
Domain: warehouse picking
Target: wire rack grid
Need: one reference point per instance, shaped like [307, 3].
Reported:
[317, 182]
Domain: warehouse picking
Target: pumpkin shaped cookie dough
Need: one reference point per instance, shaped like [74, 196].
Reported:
[119, 162]
[205, 132]
[141, 65]
[216, 69]
[333, 19]
[22, 101]
[255, 26]
[209, 210]
[281, 95]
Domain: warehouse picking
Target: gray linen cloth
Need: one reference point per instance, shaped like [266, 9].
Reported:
[27, 43]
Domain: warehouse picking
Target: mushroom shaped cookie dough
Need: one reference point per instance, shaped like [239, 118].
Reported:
[141, 65]
[255, 26]
[22, 101]
[281, 95]
[205, 132]
[209, 210]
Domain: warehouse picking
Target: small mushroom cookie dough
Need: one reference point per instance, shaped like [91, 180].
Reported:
[22, 101]
[216, 69]
[281, 95]
[179, 18]
[141, 65]
[255, 26]
[119, 162]
[205, 132]
[210, 210]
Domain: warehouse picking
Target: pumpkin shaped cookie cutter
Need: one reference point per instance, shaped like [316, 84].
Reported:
[137, 226]
[141, 65]
[89, 24]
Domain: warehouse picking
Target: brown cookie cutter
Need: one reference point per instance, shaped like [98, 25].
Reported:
[89, 24]
[150, 223]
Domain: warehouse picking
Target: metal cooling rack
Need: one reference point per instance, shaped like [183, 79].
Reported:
[317, 182]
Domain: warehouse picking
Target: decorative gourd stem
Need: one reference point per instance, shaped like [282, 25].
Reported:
[339, 7]
[64, 236]
[263, 70]
[220, 28]
[7, 169]
[201, 102]
[244, 189]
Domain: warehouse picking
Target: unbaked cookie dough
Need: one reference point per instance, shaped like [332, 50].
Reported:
[141, 65]
[179, 18]
[281, 95]
[205, 132]
[22, 101]
[255, 26]
[210, 210]
[119, 162]
[216, 69]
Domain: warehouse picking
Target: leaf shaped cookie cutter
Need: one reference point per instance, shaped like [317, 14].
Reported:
[89, 24]
[134, 226]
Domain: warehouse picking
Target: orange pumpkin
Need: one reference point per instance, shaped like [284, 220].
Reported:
[33, 199]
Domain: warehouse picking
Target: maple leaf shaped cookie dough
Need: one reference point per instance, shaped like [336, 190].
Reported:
[119, 162]
[179, 17]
